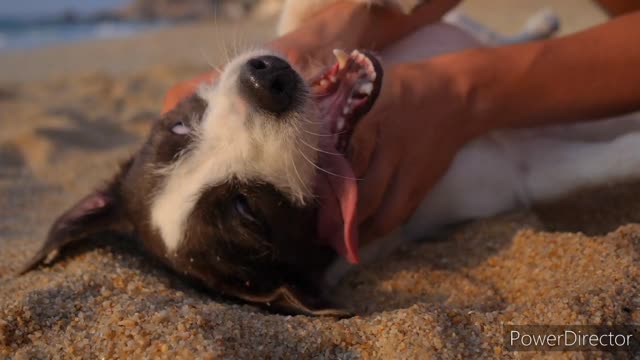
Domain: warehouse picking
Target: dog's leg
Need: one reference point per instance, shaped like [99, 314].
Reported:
[541, 25]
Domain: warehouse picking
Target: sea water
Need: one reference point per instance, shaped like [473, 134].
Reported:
[15, 34]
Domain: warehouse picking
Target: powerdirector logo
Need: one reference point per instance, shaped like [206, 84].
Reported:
[572, 338]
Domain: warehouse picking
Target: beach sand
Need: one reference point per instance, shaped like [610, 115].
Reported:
[70, 114]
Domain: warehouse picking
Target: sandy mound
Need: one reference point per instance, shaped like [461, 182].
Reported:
[446, 297]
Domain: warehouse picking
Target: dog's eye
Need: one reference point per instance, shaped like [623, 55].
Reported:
[241, 205]
[180, 128]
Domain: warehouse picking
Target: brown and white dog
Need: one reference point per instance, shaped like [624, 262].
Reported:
[244, 187]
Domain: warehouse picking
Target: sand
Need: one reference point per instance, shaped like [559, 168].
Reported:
[64, 130]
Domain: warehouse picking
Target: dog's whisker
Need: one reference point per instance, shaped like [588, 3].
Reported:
[244, 42]
[226, 52]
[298, 129]
[207, 59]
[311, 122]
[320, 150]
[238, 46]
[320, 123]
[225, 44]
[325, 134]
[220, 44]
[325, 170]
[295, 169]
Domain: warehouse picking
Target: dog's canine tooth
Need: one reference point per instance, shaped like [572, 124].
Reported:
[359, 56]
[342, 57]
[372, 74]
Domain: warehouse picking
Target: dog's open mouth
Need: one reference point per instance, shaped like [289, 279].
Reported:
[344, 94]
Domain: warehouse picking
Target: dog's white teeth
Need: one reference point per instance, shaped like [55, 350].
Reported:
[324, 83]
[342, 57]
[360, 57]
[346, 110]
[366, 88]
[340, 124]
[371, 72]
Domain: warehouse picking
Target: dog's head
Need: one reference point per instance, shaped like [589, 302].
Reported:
[244, 186]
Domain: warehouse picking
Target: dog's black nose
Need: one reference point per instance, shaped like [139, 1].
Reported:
[270, 83]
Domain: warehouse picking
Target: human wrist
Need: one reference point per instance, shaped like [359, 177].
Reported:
[473, 77]
[444, 87]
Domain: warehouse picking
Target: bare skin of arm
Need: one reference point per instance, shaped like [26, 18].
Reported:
[585, 76]
[344, 24]
[619, 7]
[581, 77]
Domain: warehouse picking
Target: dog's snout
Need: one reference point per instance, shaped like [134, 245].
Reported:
[270, 83]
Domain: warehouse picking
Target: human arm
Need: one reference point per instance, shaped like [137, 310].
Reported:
[619, 7]
[585, 76]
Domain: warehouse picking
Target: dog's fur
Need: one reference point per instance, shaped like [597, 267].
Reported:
[223, 192]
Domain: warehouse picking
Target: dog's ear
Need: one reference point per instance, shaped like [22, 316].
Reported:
[97, 212]
[290, 300]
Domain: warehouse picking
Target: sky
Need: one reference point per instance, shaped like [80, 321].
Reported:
[47, 7]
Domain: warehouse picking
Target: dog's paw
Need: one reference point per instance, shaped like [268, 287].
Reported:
[543, 24]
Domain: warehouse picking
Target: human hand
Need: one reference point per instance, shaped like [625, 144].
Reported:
[406, 143]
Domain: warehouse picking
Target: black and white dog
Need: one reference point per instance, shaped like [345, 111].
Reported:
[244, 186]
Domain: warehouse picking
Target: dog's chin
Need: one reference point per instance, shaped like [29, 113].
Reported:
[344, 94]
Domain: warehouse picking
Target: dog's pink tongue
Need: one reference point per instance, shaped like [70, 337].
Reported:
[338, 194]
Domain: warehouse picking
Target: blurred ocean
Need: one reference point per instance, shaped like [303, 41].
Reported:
[18, 34]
